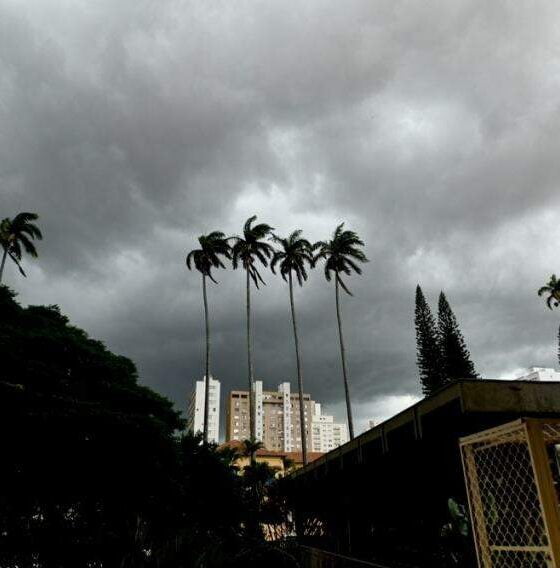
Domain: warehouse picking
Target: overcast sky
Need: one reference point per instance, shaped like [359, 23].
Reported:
[430, 128]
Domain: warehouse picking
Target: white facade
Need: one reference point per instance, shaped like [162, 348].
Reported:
[540, 374]
[195, 411]
[258, 418]
[326, 434]
[284, 388]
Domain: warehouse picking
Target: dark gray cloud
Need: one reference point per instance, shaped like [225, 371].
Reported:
[430, 128]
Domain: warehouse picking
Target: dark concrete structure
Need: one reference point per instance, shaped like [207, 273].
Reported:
[383, 497]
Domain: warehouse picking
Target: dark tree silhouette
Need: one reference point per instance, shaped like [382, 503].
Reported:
[428, 353]
[246, 251]
[93, 472]
[552, 291]
[17, 233]
[208, 256]
[294, 255]
[341, 255]
[457, 363]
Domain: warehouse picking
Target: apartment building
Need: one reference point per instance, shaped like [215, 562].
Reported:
[195, 409]
[326, 434]
[277, 418]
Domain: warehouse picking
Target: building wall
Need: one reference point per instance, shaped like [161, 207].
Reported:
[277, 417]
[237, 416]
[540, 374]
[278, 420]
[326, 434]
[195, 409]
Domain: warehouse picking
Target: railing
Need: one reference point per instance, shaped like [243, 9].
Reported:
[317, 558]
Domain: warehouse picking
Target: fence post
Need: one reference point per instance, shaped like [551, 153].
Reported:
[476, 508]
[545, 486]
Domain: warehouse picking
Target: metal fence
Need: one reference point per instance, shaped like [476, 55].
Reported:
[512, 476]
[316, 558]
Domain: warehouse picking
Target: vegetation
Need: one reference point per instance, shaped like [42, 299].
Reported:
[341, 255]
[552, 292]
[441, 353]
[456, 358]
[208, 256]
[95, 471]
[292, 258]
[246, 251]
[15, 234]
[428, 352]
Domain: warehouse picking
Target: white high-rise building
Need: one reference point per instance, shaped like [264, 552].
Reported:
[287, 406]
[258, 403]
[540, 374]
[326, 434]
[195, 410]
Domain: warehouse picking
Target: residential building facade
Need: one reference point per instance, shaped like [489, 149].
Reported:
[326, 434]
[277, 420]
[195, 409]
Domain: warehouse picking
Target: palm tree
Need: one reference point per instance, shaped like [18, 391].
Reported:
[341, 255]
[292, 257]
[552, 289]
[204, 259]
[15, 233]
[246, 251]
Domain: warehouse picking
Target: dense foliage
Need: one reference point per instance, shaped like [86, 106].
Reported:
[93, 471]
[441, 351]
[457, 362]
[428, 352]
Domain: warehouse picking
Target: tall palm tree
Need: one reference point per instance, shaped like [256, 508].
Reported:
[292, 258]
[15, 233]
[552, 289]
[341, 255]
[246, 251]
[212, 247]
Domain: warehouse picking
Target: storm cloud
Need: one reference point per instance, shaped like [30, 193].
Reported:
[430, 128]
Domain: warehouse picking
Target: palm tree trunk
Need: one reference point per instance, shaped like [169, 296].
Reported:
[343, 356]
[250, 367]
[300, 382]
[207, 368]
[4, 255]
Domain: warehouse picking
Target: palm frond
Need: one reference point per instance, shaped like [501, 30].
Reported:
[28, 245]
[343, 286]
[16, 261]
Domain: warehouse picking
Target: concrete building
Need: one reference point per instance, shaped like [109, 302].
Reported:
[326, 433]
[277, 420]
[540, 374]
[195, 409]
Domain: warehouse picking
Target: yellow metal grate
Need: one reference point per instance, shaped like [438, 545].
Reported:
[512, 482]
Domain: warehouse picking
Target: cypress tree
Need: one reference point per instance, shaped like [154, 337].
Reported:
[457, 362]
[428, 353]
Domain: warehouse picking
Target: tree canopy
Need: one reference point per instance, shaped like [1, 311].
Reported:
[17, 235]
[457, 362]
[428, 351]
[95, 471]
